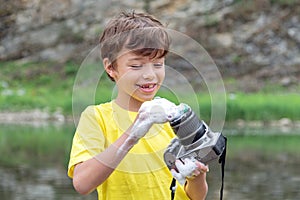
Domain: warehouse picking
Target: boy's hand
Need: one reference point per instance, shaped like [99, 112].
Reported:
[190, 168]
[157, 111]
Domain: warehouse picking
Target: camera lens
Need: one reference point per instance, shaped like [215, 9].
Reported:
[188, 128]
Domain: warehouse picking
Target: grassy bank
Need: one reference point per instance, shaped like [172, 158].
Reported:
[49, 87]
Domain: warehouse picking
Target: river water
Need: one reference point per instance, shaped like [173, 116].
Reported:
[262, 163]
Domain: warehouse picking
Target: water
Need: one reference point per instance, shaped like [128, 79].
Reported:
[261, 164]
[30, 184]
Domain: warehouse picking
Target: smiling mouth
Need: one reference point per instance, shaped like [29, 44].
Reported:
[148, 86]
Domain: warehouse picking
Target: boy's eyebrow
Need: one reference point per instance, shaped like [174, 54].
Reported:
[139, 58]
[135, 58]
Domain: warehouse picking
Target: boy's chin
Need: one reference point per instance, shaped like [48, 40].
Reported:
[143, 99]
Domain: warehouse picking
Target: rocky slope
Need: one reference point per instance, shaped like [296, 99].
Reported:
[255, 43]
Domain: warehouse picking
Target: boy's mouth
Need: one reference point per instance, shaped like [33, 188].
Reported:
[148, 87]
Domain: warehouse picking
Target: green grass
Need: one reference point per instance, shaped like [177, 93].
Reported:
[263, 106]
[251, 106]
[48, 86]
[35, 85]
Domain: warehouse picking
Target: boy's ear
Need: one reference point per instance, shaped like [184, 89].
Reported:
[108, 67]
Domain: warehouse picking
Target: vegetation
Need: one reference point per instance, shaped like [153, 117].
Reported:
[36, 85]
[263, 106]
[49, 87]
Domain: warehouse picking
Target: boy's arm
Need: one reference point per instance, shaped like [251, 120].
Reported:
[197, 188]
[93, 172]
[89, 174]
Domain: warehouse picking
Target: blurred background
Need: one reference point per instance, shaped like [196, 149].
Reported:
[254, 44]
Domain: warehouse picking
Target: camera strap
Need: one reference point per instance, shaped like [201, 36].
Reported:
[222, 162]
[173, 188]
[222, 159]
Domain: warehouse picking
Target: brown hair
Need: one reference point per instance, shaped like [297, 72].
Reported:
[139, 32]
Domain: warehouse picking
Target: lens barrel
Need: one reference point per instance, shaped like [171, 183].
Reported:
[188, 127]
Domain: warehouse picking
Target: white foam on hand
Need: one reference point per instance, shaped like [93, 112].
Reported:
[161, 110]
[156, 111]
[184, 169]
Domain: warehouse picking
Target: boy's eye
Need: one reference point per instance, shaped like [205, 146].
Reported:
[157, 64]
[136, 66]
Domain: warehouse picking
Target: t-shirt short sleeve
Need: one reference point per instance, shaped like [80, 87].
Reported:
[88, 140]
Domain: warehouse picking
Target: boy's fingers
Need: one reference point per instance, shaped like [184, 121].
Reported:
[178, 176]
[202, 168]
[187, 168]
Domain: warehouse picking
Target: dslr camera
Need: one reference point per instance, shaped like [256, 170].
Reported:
[194, 140]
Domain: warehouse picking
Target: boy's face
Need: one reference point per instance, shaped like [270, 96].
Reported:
[138, 78]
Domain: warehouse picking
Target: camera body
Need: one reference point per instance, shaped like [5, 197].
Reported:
[194, 140]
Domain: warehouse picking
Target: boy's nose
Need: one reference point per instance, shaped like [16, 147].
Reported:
[148, 76]
[148, 73]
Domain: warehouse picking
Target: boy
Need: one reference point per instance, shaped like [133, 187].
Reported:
[118, 146]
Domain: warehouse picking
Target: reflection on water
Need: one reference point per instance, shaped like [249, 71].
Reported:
[30, 184]
[252, 172]
[263, 180]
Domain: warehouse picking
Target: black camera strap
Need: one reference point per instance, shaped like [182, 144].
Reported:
[173, 188]
[222, 159]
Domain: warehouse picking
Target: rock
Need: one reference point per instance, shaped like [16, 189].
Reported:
[60, 53]
[285, 122]
[35, 117]
[223, 39]
[243, 39]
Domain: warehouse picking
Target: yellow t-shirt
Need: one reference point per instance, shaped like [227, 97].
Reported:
[142, 174]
